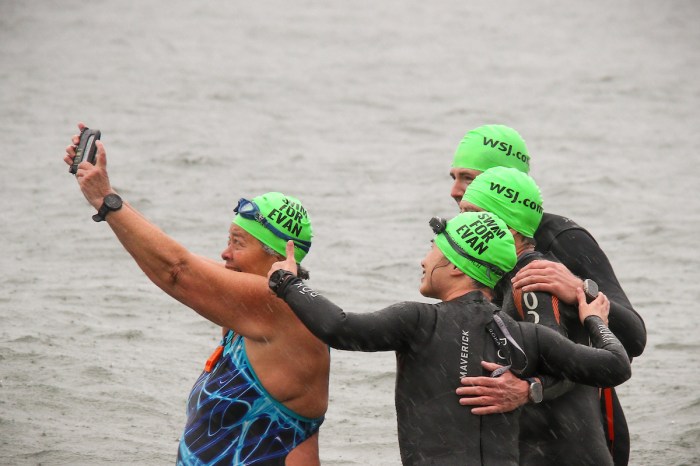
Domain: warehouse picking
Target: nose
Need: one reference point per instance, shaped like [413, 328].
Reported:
[457, 192]
[226, 253]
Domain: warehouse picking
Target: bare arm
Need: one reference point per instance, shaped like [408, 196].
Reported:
[235, 300]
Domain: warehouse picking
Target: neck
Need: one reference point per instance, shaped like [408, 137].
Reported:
[521, 247]
[456, 291]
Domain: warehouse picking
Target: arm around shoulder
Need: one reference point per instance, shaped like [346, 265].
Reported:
[388, 329]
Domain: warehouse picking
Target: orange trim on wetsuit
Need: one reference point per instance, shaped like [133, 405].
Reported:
[518, 300]
[555, 308]
[609, 416]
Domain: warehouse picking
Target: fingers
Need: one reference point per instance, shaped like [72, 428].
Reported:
[70, 155]
[472, 390]
[476, 401]
[290, 251]
[478, 381]
[540, 285]
[101, 156]
[536, 264]
[490, 366]
[274, 267]
[495, 409]
[486, 405]
[602, 299]
[289, 263]
[530, 278]
[71, 149]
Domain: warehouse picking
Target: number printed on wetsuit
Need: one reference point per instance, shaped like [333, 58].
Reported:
[530, 300]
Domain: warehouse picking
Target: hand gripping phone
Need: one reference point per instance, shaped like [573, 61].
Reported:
[86, 149]
[590, 288]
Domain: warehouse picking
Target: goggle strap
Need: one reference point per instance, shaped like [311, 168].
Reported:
[253, 213]
[463, 253]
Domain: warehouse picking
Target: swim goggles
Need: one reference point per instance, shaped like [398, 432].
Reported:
[249, 210]
[439, 225]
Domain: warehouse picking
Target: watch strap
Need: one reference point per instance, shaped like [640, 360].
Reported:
[105, 208]
[280, 280]
[534, 381]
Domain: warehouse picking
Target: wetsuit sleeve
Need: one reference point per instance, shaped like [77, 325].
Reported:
[544, 309]
[580, 253]
[393, 328]
[604, 365]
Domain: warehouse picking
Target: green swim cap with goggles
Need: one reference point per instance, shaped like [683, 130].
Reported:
[492, 146]
[510, 194]
[273, 219]
[477, 243]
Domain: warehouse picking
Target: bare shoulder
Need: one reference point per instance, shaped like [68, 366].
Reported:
[294, 367]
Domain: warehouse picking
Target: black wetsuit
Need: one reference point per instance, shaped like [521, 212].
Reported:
[436, 345]
[566, 428]
[574, 247]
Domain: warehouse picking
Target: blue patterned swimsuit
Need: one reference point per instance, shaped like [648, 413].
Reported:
[232, 419]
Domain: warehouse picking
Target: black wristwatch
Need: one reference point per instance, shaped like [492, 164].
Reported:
[110, 203]
[590, 288]
[279, 279]
[534, 393]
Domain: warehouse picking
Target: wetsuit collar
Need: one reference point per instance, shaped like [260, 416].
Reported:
[474, 296]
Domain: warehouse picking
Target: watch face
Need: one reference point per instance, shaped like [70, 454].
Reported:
[536, 392]
[112, 201]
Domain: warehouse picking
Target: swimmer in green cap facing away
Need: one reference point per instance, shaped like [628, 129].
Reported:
[565, 428]
[265, 388]
[437, 344]
[580, 258]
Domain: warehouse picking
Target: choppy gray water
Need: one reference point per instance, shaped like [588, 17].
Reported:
[356, 108]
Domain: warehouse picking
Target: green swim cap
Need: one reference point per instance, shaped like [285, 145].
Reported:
[492, 146]
[273, 219]
[510, 194]
[477, 243]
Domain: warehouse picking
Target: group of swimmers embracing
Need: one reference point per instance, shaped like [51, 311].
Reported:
[514, 364]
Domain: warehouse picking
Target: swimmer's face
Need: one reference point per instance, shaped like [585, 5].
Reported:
[462, 178]
[434, 265]
[244, 253]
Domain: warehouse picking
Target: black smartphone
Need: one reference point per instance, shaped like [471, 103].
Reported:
[86, 149]
[590, 288]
